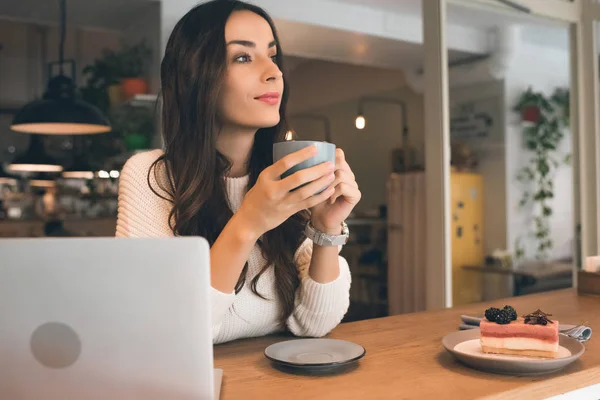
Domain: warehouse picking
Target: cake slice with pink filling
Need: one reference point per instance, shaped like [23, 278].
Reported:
[535, 335]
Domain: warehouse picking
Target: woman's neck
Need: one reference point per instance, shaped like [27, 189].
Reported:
[236, 144]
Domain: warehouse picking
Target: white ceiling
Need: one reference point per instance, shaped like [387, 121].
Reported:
[472, 16]
[335, 45]
[538, 30]
[411, 7]
[102, 14]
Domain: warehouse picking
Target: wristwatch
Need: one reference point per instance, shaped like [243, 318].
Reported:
[324, 239]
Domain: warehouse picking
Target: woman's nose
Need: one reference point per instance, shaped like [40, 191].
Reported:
[271, 71]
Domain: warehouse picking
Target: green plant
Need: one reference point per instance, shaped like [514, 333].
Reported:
[113, 65]
[561, 99]
[130, 120]
[102, 73]
[105, 69]
[529, 98]
[133, 59]
[542, 138]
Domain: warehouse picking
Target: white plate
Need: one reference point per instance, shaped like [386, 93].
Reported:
[465, 346]
[314, 353]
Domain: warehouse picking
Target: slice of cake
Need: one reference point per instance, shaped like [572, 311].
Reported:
[534, 335]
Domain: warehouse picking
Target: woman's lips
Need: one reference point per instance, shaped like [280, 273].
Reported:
[271, 98]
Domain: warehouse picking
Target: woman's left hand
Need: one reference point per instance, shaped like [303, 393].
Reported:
[329, 215]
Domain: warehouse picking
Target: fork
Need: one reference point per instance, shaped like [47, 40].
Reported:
[578, 332]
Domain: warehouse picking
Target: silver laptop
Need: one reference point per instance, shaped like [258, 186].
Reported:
[106, 318]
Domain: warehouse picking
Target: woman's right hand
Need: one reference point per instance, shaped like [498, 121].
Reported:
[271, 200]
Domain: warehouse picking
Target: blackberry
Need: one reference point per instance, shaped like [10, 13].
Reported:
[503, 317]
[491, 314]
[511, 312]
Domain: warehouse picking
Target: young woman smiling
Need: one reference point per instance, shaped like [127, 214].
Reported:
[223, 106]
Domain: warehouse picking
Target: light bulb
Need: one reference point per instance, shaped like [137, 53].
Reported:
[360, 122]
[289, 135]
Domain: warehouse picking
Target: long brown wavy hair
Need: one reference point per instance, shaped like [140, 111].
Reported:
[192, 73]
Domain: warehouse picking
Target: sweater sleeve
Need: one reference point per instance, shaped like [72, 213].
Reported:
[143, 214]
[319, 307]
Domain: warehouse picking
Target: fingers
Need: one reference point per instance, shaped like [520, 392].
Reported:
[291, 160]
[301, 177]
[312, 188]
[341, 163]
[342, 175]
[340, 157]
[350, 193]
[316, 199]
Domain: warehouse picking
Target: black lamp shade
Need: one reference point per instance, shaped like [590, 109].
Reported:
[6, 178]
[35, 159]
[42, 180]
[80, 169]
[60, 113]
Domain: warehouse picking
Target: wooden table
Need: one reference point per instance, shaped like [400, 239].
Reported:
[405, 359]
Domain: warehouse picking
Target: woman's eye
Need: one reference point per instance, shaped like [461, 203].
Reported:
[274, 58]
[243, 59]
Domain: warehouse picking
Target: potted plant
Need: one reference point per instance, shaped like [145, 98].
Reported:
[531, 105]
[103, 81]
[133, 61]
[543, 139]
[136, 125]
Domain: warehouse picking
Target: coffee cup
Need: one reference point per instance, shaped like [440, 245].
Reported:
[326, 152]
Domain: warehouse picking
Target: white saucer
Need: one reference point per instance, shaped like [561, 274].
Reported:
[314, 353]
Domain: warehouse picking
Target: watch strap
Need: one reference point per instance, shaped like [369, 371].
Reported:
[324, 239]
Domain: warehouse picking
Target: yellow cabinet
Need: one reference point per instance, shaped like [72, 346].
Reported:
[467, 235]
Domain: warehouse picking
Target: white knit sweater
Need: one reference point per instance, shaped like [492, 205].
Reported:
[319, 307]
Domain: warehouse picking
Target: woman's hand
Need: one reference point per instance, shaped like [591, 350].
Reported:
[271, 200]
[329, 215]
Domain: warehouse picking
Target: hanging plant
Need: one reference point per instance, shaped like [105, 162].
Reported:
[544, 122]
[531, 105]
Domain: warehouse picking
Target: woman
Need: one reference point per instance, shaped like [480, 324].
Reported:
[223, 108]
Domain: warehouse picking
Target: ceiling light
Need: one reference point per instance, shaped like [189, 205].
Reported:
[35, 159]
[60, 112]
[360, 122]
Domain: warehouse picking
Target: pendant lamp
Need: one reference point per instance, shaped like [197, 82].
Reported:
[35, 159]
[60, 111]
[6, 178]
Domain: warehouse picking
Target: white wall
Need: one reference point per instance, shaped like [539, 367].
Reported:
[314, 83]
[545, 69]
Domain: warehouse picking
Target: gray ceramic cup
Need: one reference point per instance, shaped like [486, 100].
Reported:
[282, 149]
